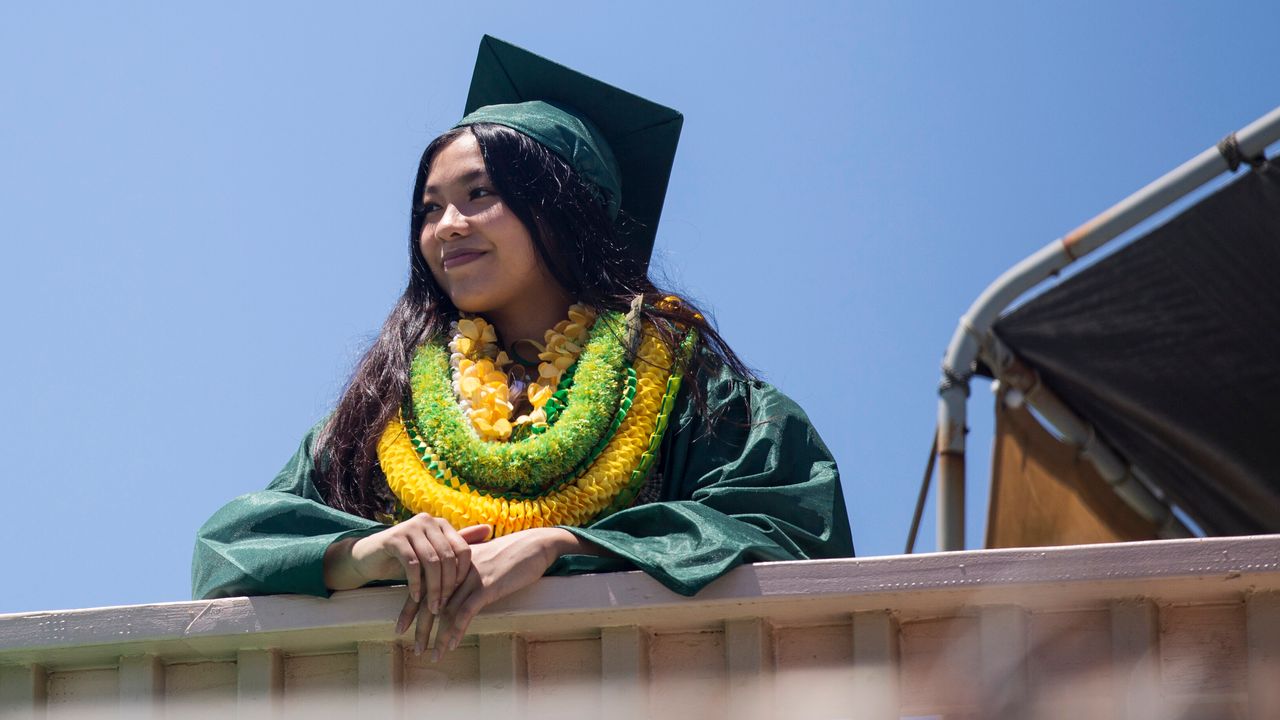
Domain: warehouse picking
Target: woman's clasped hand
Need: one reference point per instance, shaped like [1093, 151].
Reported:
[451, 574]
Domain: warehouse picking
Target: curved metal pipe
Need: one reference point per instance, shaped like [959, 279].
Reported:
[975, 325]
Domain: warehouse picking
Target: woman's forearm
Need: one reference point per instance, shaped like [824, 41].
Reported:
[562, 542]
[339, 570]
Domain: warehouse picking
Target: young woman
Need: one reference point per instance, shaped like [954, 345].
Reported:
[534, 404]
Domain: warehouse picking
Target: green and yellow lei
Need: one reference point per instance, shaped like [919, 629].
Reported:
[583, 452]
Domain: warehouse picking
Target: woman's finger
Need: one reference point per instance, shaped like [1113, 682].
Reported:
[406, 614]
[462, 564]
[476, 533]
[457, 615]
[431, 546]
[446, 542]
[404, 551]
[422, 632]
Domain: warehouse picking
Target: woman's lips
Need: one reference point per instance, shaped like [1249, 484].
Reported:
[461, 258]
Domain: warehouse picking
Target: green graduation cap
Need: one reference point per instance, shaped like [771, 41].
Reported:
[623, 143]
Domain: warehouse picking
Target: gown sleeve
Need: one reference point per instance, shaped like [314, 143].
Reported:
[759, 485]
[272, 541]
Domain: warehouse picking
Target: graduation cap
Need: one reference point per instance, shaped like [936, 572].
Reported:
[621, 142]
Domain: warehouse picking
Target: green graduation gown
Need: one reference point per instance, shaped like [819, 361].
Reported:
[760, 486]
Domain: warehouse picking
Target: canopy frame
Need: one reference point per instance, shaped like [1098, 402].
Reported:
[974, 340]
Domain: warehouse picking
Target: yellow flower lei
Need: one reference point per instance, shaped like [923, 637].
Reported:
[606, 485]
[481, 383]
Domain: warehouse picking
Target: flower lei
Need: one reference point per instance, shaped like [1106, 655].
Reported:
[480, 379]
[585, 457]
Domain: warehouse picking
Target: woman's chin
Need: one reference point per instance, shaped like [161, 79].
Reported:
[471, 303]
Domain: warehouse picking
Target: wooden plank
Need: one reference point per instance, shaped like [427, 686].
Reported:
[875, 689]
[189, 685]
[1204, 665]
[1069, 665]
[380, 670]
[624, 671]
[564, 679]
[22, 692]
[141, 687]
[918, 586]
[503, 676]
[1135, 659]
[687, 675]
[1002, 632]
[814, 669]
[451, 687]
[74, 694]
[749, 662]
[321, 687]
[1262, 623]
[940, 660]
[259, 683]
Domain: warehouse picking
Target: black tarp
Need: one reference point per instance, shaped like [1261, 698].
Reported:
[1171, 348]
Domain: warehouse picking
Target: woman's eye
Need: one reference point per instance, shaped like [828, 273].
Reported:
[480, 192]
[430, 207]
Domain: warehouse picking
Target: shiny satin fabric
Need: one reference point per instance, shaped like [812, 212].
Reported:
[760, 486]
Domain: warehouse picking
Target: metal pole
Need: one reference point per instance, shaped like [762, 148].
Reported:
[975, 325]
[951, 501]
[922, 497]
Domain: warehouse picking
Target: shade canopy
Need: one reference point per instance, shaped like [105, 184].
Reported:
[1170, 347]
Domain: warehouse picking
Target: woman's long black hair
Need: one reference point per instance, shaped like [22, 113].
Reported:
[576, 240]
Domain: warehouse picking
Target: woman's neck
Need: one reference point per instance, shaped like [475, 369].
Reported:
[529, 321]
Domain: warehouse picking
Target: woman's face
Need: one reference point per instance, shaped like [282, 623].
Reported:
[478, 250]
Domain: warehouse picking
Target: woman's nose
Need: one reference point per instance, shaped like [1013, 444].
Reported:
[453, 224]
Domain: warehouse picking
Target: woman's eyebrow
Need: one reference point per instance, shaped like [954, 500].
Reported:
[463, 179]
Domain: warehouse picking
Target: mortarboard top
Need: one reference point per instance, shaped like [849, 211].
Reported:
[642, 134]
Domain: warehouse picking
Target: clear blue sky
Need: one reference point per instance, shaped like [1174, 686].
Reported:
[205, 209]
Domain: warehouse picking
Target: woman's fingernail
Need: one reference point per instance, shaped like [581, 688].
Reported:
[435, 655]
[453, 644]
[434, 608]
[399, 626]
[417, 648]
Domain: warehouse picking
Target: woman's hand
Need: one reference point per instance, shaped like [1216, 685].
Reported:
[425, 551]
[498, 568]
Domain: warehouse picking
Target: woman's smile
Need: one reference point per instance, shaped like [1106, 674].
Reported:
[454, 259]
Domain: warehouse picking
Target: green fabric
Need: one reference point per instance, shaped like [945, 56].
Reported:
[272, 541]
[762, 487]
[568, 134]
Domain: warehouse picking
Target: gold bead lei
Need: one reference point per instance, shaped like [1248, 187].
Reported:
[424, 481]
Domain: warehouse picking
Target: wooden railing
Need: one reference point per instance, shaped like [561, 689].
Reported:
[1171, 629]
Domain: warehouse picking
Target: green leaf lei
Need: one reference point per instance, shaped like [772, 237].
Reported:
[530, 466]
